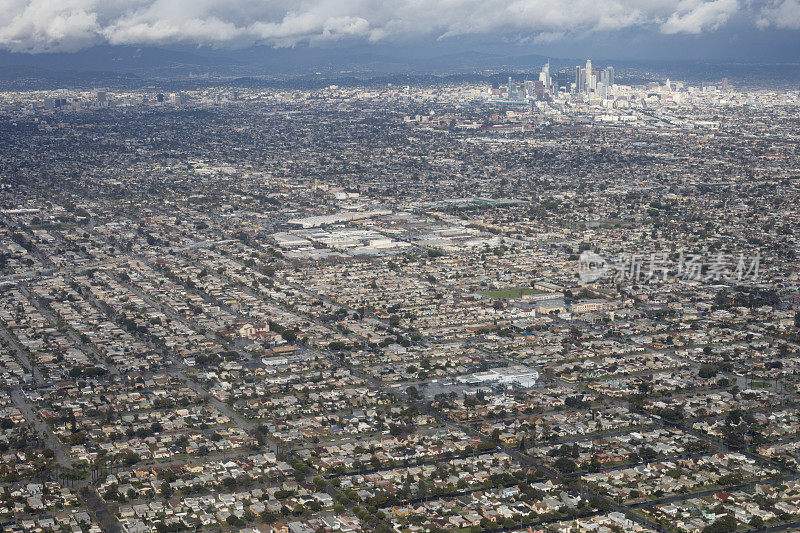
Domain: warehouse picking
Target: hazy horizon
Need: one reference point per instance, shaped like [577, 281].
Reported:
[624, 30]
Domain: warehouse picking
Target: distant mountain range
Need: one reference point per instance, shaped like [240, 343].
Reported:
[260, 60]
[22, 77]
[128, 66]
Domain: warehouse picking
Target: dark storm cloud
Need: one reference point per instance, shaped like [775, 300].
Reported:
[68, 25]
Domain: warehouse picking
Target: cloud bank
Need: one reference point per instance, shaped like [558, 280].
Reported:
[782, 14]
[69, 25]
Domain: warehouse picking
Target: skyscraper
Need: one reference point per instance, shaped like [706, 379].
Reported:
[580, 79]
[587, 81]
[607, 76]
[530, 88]
[544, 76]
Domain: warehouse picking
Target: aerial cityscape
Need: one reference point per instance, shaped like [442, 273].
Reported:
[559, 295]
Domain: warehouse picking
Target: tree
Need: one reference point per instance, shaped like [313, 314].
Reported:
[734, 436]
[647, 453]
[707, 371]
[724, 524]
[565, 465]
[235, 521]
[599, 504]
[129, 458]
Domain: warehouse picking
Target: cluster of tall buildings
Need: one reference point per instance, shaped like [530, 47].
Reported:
[584, 80]
[591, 80]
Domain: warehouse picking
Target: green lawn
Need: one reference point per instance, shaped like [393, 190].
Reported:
[506, 294]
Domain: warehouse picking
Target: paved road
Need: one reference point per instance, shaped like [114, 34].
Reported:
[100, 510]
[22, 354]
[50, 315]
[709, 492]
[93, 502]
[29, 412]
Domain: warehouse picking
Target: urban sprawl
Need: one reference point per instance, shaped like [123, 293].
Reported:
[557, 303]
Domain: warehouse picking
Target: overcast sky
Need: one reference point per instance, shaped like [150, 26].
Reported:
[548, 26]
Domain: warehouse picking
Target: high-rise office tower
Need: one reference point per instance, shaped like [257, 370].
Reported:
[587, 82]
[563, 79]
[544, 79]
[530, 88]
[544, 75]
[580, 80]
